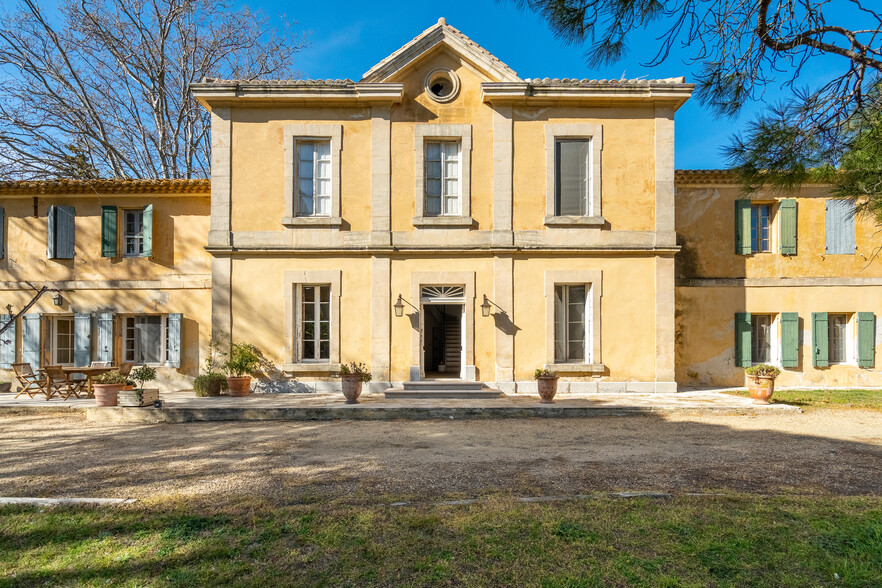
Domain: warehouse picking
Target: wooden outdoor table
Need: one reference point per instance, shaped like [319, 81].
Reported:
[89, 372]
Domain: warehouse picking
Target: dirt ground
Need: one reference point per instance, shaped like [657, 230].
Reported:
[826, 451]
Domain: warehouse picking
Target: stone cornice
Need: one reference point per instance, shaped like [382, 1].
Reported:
[600, 91]
[230, 92]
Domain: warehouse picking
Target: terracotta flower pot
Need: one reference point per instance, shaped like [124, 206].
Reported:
[761, 388]
[107, 394]
[547, 388]
[215, 387]
[351, 388]
[239, 386]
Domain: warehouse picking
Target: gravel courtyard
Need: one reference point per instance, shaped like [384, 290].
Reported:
[824, 451]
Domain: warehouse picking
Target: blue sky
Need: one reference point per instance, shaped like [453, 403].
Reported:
[348, 37]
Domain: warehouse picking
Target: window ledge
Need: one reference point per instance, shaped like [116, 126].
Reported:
[312, 221]
[576, 368]
[574, 221]
[443, 221]
[303, 368]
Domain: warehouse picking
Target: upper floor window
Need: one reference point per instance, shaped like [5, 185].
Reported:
[60, 235]
[572, 177]
[764, 227]
[839, 227]
[443, 178]
[760, 228]
[135, 235]
[314, 178]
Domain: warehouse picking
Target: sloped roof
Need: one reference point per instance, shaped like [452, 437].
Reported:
[439, 33]
[106, 186]
[586, 83]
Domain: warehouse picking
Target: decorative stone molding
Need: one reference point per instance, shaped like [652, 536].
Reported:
[448, 80]
[424, 132]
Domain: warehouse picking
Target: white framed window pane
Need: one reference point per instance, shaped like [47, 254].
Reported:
[433, 188]
[433, 169]
[451, 170]
[572, 176]
[761, 339]
[133, 232]
[442, 178]
[451, 187]
[315, 325]
[433, 205]
[451, 205]
[837, 325]
[570, 325]
[433, 151]
[314, 178]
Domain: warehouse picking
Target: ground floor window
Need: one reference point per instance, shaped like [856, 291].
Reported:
[315, 322]
[837, 338]
[570, 323]
[62, 338]
[761, 338]
[145, 339]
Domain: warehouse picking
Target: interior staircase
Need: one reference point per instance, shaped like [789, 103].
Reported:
[452, 345]
[443, 389]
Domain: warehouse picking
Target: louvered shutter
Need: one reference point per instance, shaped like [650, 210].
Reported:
[147, 228]
[82, 339]
[30, 340]
[788, 226]
[839, 224]
[820, 355]
[742, 339]
[7, 343]
[175, 323]
[104, 337]
[61, 238]
[742, 227]
[109, 239]
[866, 339]
[789, 339]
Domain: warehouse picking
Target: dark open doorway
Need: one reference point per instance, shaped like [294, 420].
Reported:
[442, 341]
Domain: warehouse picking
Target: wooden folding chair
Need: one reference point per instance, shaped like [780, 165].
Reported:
[100, 364]
[31, 383]
[59, 381]
[126, 368]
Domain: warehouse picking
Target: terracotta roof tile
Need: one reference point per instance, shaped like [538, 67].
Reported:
[107, 186]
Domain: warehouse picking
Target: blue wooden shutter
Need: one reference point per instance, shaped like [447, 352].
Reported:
[743, 356]
[820, 355]
[742, 227]
[175, 322]
[2, 233]
[866, 339]
[82, 339]
[7, 343]
[61, 239]
[30, 340]
[108, 231]
[104, 337]
[789, 339]
[147, 228]
[788, 226]
[839, 223]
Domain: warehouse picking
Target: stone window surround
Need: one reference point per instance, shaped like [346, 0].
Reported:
[594, 132]
[312, 131]
[421, 134]
[466, 279]
[594, 280]
[292, 279]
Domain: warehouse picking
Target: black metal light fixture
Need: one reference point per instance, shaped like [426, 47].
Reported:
[399, 307]
[485, 307]
[57, 299]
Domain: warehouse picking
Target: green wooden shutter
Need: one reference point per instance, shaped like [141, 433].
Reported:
[175, 324]
[82, 339]
[2, 233]
[147, 227]
[788, 226]
[742, 227]
[104, 337]
[30, 340]
[742, 339]
[7, 343]
[109, 239]
[866, 339]
[789, 339]
[820, 357]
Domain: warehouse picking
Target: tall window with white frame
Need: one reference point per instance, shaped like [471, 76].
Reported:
[133, 233]
[571, 323]
[572, 177]
[144, 339]
[63, 340]
[837, 338]
[761, 338]
[443, 193]
[315, 323]
[760, 231]
[314, 177]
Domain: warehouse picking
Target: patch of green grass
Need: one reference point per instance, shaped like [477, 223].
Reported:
[863, 399]
[736, 540]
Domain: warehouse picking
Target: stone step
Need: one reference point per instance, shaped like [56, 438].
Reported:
[443, 385]
[443, 393]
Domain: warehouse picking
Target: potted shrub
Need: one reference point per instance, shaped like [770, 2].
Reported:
[209, 384]
[352, 376]
[242, 364]
[546, 381]
[761, 382]
[140, 396]
[107, 387]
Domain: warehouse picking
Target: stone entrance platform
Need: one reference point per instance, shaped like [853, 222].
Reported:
[184, 407]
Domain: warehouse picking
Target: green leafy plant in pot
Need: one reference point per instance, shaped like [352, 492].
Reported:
[761, 382]
[242, 364]
[107, 386]
[211, 382]
[352, 376]
[546, 382]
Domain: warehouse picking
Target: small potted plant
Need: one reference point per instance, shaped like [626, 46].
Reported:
[211, 382]
[761, 382]
[242, 364]
[107, 387]
[140, 396]
[352, 376]
[546, 381]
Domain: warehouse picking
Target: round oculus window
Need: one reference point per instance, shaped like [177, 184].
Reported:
[442, 85]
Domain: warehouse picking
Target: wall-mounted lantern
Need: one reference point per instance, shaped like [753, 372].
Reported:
[485, 307]
[399, 307]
